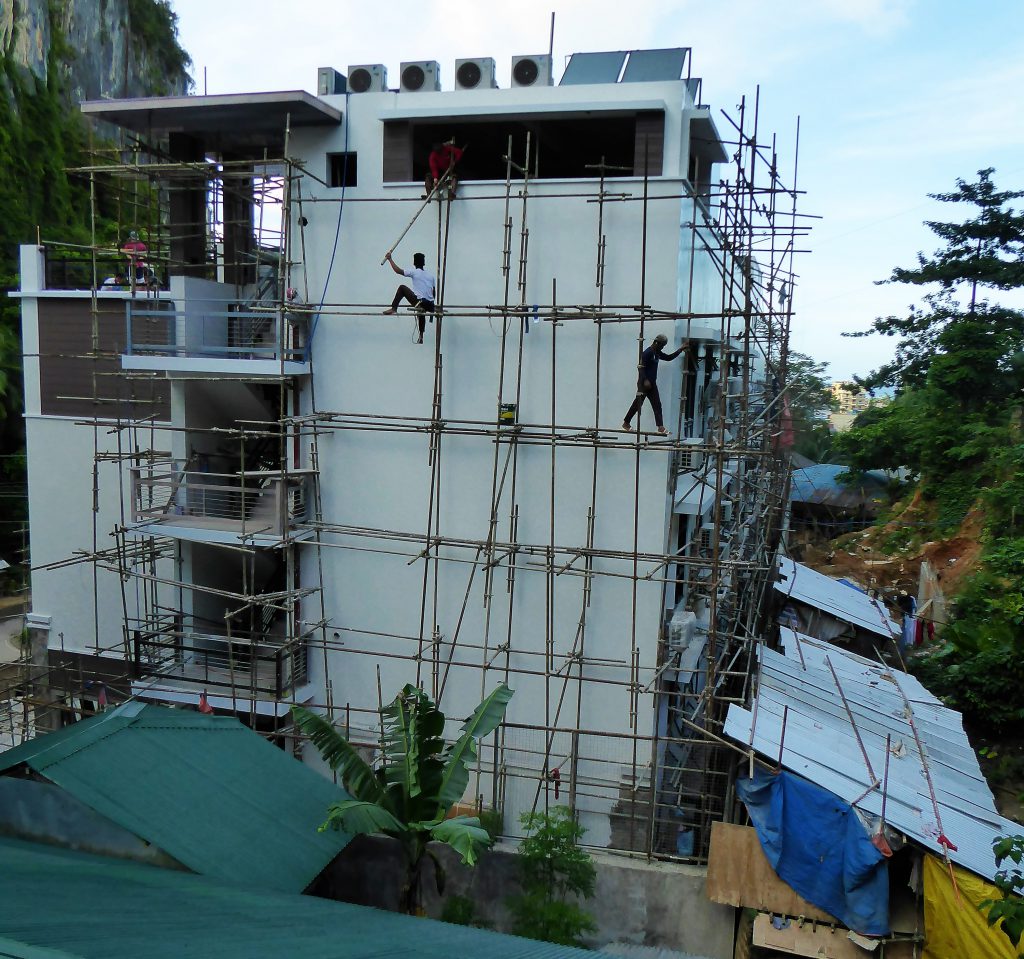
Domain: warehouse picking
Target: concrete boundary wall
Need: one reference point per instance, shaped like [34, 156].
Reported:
[657, 904]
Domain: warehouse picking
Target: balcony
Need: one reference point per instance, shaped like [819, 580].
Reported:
[215, 340]
[257, 508]
[245, 665]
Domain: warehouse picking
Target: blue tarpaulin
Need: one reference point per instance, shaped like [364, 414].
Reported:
[818, 846]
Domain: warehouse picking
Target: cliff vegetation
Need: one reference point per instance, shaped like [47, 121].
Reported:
[54, 53]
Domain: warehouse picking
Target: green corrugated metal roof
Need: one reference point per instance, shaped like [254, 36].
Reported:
[87, 907]
[205, 789]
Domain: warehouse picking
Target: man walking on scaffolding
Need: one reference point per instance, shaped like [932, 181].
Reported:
[420, 296]
[647, 383]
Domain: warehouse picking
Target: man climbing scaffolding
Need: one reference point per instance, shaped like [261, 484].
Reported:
[420, 296]
[442, 160]
[647, 383]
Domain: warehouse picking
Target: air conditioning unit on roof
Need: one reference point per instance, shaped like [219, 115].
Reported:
[420, 76]
[532, 71]
[475, 74]
[367, 78]
[329, 82]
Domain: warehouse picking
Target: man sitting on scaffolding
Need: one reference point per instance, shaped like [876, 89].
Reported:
[442, 160]
[421, 296]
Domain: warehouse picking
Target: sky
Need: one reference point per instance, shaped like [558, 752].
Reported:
[895, 99]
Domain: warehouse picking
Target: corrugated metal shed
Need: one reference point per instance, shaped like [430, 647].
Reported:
[88, 907]
[819, 484]
[809, 586]
[821, 743]
[205, 789]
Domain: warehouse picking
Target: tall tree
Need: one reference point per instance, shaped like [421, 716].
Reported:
[957, 341]
[810, 399]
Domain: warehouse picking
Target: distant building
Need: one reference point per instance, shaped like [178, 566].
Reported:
[851, 401]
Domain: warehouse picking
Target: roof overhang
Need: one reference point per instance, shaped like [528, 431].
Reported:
[704, 137]
[229, 121]
[520, 110]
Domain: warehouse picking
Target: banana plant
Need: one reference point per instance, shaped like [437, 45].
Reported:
[420, 777]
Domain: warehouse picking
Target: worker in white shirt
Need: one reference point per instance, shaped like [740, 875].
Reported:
[421, 296]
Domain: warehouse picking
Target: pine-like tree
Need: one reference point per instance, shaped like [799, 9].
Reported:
[957, 342]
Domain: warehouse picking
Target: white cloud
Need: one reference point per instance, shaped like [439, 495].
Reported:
[897, 98]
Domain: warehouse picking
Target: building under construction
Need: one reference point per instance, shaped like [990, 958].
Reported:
[247, 485]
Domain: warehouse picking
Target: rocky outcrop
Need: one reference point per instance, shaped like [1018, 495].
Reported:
[25, 34]
[104, 48]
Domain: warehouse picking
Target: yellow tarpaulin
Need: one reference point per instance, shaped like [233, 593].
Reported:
[958, 929]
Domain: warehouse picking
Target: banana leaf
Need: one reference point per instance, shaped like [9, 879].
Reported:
[363, 818]
[356, 775]
[458, 757]
[464, 834]
[413, 727]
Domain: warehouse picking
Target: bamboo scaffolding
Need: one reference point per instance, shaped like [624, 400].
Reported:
[735, 224]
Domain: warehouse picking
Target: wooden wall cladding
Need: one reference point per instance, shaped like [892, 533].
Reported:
[73, 381]
[650, 143]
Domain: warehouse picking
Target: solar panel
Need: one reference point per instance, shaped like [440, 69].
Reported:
[593, 68]
[646, 65]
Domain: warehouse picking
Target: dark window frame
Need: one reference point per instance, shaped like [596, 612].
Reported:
[562, 146]
[342, 169]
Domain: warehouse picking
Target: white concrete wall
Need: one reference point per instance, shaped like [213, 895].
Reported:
[60, 483]
[364, 362]
[86, 615]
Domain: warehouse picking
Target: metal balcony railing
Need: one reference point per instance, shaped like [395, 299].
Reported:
[259, 503]
[251, 664]
[265, 334]
[72, 268]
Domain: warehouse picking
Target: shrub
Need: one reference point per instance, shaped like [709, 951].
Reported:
[555, 872]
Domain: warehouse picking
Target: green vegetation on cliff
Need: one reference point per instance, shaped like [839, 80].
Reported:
[41, 135]
[154, 26]
[956, 426]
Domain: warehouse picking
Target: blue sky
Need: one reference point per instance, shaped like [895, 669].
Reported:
[896, 99]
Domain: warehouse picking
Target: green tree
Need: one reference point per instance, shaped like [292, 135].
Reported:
[420, 777]
[957, 341]
[956, 424]
[810, 399]
[1010, 883]
[554, 873]
[959, 364]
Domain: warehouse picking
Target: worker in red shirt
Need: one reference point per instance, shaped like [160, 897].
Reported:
[443, 157]
[135, 250]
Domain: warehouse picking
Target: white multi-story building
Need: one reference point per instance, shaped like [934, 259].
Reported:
[850, 401]
[276, 501]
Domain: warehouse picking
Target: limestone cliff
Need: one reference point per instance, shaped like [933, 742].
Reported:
[105, 48]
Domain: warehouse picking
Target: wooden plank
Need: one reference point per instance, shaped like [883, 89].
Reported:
[740, 875]
[822, 942]
[806, 940]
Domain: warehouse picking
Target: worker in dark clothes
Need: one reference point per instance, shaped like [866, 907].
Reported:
[647, 383]
[420, 296]
[442, 159]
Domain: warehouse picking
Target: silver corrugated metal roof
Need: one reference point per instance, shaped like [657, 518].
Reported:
[820, 742]
[843, 602]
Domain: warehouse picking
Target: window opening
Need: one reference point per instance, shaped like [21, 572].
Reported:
[341, 169]
[562, 147]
